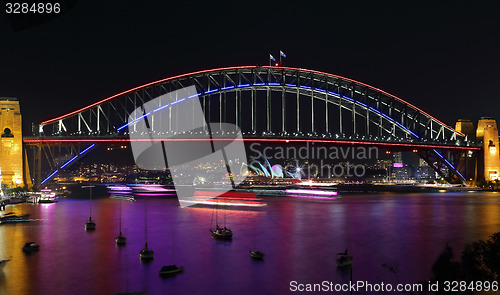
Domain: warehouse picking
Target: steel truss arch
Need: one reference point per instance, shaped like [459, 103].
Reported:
[307, 104]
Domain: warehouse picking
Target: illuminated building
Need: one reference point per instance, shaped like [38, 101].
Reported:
[11, 146]
[467, 128]
[487, 133]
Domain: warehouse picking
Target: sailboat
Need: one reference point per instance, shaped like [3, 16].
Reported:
[254, 253]
[126, 291]
[170, 270]
[146, 254]
[121, 239]
[344, 260]
[90, 224]
[219, 232]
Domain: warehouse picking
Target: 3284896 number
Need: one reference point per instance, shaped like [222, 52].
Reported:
[477, 286]
[25, 8]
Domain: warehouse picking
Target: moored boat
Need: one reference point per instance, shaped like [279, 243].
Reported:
[222, 233]
[146, 254]
[121, 240]
[256, 254]
[11, 217]
[31, 247]
[90, 225]
[47, 196]
[344, 260]
[169, 270]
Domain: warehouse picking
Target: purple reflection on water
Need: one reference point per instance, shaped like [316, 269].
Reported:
[311, 192]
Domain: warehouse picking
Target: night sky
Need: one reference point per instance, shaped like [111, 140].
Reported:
[444, 58]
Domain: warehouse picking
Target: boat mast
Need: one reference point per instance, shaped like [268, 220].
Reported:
[120, 218]
[145, 224]
[216, 214]
[90, 203]
[224, 218]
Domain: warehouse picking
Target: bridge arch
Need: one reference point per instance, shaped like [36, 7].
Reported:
[267, 101]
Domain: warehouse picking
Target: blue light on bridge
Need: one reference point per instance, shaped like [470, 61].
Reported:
[348, 98]
[447, 162]
[160, 108]
[67, 163]
[49, 177]
[120, 128]
[85, 150]
[279, 84]
[145, 115]
[177, 101]
[211, 91]
[70, 160]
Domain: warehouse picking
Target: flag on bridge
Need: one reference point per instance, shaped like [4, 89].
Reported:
[282, 54]
[271, 58]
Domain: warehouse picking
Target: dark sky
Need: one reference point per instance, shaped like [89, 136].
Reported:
[443, 58]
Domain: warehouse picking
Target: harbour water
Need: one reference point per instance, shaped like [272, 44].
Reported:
[300, 238]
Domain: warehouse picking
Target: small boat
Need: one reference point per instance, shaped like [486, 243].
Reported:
[256, 254]
[121, 240]
[11, 218]
[47, 196]
[47, 200]
[344, 259]
[222, 233]
[31, 247]
[90, 225]
[3, 263]
[146, 253]
[169, 270]
[219, 232]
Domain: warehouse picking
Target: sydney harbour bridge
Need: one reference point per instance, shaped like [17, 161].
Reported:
[266, 104]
